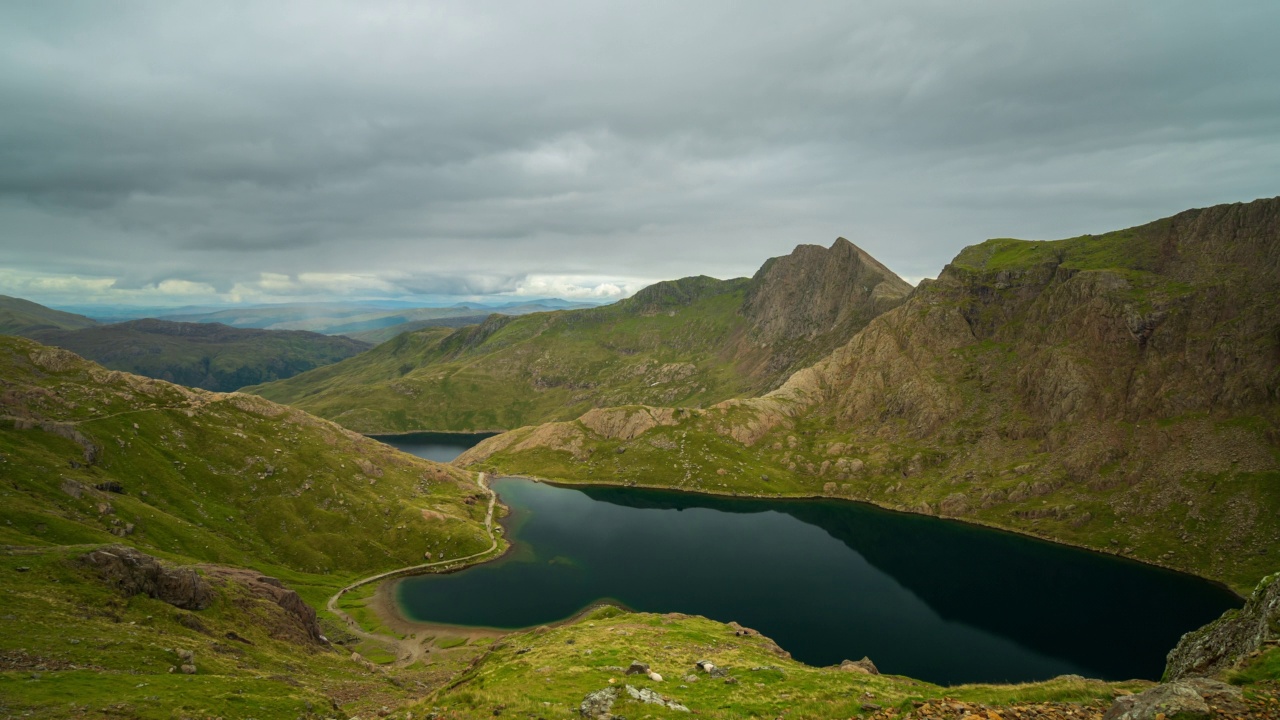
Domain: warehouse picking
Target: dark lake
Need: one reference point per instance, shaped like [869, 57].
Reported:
[441, 447]
[828, 580]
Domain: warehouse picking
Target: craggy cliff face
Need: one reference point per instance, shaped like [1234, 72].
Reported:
[803, 305]
[1119, 391]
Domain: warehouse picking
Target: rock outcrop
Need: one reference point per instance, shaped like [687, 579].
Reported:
[803, 305]
[297, 623]
[1185, 700]
[598, 705]
[136, 573]
[1224, 642]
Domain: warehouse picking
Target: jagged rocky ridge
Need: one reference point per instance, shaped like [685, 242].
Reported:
[1118, 391]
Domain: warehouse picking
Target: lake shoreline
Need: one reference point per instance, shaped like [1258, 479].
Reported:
[840, 520]
[888, 508]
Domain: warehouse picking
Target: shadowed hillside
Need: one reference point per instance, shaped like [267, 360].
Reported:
[202, 355]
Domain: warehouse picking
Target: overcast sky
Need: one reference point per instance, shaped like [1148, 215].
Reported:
[184, 153]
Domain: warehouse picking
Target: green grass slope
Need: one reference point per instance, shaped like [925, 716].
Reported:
[21, 317]
[667, 345]
[1120, 392]
[209, 356]
[684, 343]
[212, 477]
[91, 457]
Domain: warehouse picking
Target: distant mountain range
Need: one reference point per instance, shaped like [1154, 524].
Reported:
[209, 356]
[350, 319]
[229, 348]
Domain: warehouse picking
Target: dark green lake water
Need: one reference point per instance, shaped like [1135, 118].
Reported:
[828, 580]
[441, 447]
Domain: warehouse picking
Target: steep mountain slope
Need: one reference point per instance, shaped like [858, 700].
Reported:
[1118, 391]
[203, 355]
[96, 464]
[91, 455]
[688, 342]
[21, 317]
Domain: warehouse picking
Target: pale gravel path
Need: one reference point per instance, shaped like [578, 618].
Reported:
[408, 651]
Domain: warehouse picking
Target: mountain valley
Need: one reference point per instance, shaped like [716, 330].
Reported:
[170, 551]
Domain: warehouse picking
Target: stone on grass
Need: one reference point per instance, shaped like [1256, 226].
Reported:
[1184, 699]
[645, 695]
[599, 704]
[863, 666]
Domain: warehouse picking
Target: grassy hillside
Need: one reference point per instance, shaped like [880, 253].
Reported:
[22, 317]
[351, 319]
[509, 371]
[202, 355]
[213, 477]
[91, 457]
[686, 343]
[1120, 392]
[380, 335]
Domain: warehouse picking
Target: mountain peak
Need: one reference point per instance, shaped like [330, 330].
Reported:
[816, 291]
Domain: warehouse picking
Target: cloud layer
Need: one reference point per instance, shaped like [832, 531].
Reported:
[265, 151]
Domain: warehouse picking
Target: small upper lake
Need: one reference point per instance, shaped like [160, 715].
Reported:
[441, 447]
[828, 580]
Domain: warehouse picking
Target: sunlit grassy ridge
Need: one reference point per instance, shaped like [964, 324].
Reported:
[224, 478]
[90, 457]
[669, 346]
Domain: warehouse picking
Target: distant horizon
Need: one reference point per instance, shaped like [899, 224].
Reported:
[167, 155]
[128, 309]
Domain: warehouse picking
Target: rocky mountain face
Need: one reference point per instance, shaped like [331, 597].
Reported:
[1234, 637]
[803, 305]
[689, 342]
[1118, 391]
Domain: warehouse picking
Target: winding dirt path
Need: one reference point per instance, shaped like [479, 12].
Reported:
[409, 651]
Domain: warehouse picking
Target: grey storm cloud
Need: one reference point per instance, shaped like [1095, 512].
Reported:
[461, 148]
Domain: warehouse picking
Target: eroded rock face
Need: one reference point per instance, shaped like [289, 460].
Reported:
[599, 704]
[816, 292]
[645, 695]
[298, 623]
[1220, 644]
[1185, 700]
[627, 422]
[136, 573]
[863, 666]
